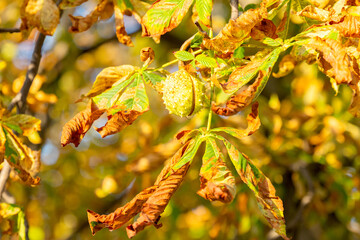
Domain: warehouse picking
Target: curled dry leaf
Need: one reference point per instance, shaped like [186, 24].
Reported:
[265, 28]
[76, 128]
[286, 65]
[270, 205]
[121, 215]
[236, 31]
[151, 202]
[240, 101]
[42, 14]
[118, 122]
[332, 59]
[147, 54]
[316, 13]
[121, 33]
[155, 205]
[102, 11]
[348, 26]
[217, 182]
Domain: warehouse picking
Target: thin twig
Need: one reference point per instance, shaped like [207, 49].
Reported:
[234, 4]
[4, 175]
[10, 30]
[20, 99]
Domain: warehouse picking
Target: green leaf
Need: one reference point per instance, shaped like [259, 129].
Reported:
[272, 42]
[163, 16]
[184, 55]
[239, 53]
[211, 155]
[196, 42]
[189, 153]
[14, 127]
[275, 11]
[251, 6]
[23, 124]
[206, 61]
[21, 229]
[244, 74]
[154, 80]
[270, 205]
[108, 98]
[204, 8]
[134, 97]
[283, 34]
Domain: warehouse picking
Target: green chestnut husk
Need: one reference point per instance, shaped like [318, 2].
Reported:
[183, 94]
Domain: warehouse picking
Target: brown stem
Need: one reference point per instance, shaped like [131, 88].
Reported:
[9, 30]
[4, 175]
[20, 99]
[234, 5]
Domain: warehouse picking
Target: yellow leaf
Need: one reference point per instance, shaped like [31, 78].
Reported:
[42, 14]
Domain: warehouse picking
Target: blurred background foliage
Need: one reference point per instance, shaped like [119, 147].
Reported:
[308, 145]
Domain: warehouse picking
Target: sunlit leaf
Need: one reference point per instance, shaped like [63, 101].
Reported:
[76, 128]
[217, 182]
[108, 77]
[270, 205]
[26, 123]
[235, 32]
[121, 215]
[163, 16]
[206, 61]
[25, 161]
[42, 14]
[154, 80]
[184, 55]
[204, 8]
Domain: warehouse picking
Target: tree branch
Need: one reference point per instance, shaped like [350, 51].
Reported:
[10, 30]
[234, 4]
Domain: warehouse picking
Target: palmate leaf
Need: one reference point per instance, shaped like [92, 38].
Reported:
[163, 16]
[154, 80]
[118, 91]
[217, 182]
[270, 205]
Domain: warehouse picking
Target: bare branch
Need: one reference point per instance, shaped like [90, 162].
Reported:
[234, 4]
[20, 99]
[10, 30]
[4, 175]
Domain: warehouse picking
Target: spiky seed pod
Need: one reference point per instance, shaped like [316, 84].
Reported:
[183, 94]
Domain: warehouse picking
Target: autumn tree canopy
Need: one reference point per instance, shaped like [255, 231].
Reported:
[205, 119]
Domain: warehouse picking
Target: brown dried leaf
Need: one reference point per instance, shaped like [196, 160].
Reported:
[118, 122]
[147, 54]
[102, 11]
[316, 13]
[217, 182]
[235, 32]
[121, 215]
[265, 28]
[348, 26]
[42, 14]
[332, 59]
[155, 205]
[75, 129]
[240, 101]
[121, 33]
[355, 85]
[2, 144]
[71, 3]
